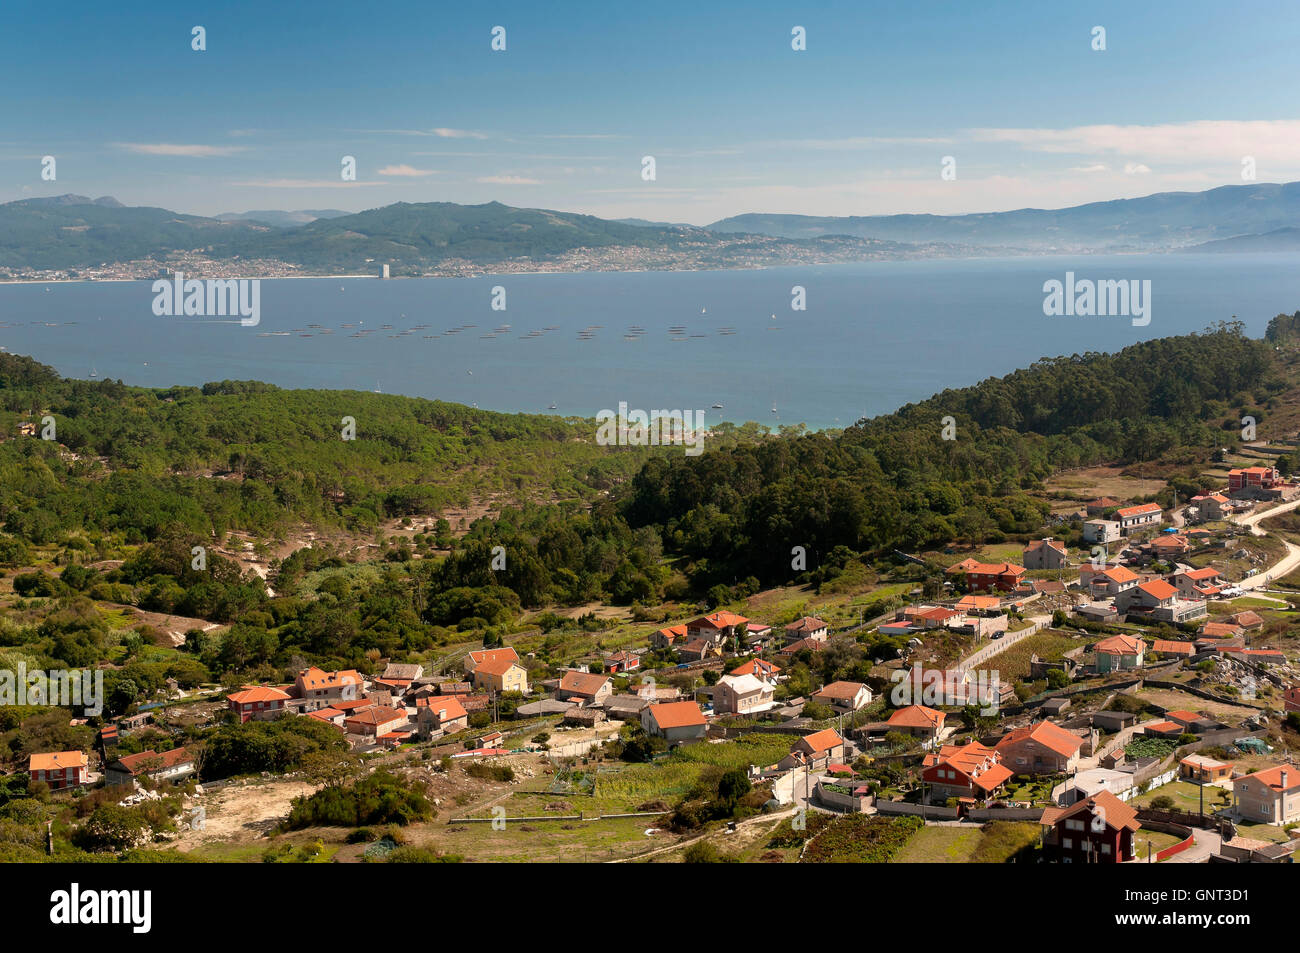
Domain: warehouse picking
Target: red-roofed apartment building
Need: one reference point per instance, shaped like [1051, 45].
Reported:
[1096, 830]
[1271, 796]
[1264, 478]
[969, 770]
[1042, 748]
[59, 769]
[257, 701]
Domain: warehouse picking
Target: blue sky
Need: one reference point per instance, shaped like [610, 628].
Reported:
[858, 123]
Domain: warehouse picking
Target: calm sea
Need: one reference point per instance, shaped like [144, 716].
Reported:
[874, 336]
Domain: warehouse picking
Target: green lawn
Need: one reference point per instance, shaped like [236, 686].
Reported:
[940, 845]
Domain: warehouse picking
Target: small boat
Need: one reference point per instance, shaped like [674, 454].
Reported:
[717, 406]
[552, 407]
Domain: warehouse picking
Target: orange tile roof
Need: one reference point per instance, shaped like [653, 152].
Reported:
[756, 667]
[448, 707]
[1272, 777]
[257, 693]
[1158, 589]
[677, 714]
[1137, 510]
[377, 716]
[840, 690]
[673, 632]
[493, 655]
[820, 741]
[583, 683]
[1119, 645]
[917, 716]
[1171, 646]
[147, 761]
[1113, 812]
[57, 760]
[497, 666]
[1046, 733]
[807, 624]
[1198, 574]
[717, 620]
[315, 678]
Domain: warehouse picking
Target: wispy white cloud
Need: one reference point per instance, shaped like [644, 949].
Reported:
[507, 180]
[302, 184]
[1183, 142]
[406, 171]
[176, 149]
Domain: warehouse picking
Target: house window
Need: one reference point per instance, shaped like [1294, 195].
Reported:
[1105, 848]
[1067, 843]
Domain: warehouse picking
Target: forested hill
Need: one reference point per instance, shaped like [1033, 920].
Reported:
[185, 465]
[894, 481]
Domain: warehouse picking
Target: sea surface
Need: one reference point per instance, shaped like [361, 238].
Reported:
[874, 336]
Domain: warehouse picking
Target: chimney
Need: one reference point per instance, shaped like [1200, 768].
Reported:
[1284, 779]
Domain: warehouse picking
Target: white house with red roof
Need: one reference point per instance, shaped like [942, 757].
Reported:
[676, 722]
[1138, 517]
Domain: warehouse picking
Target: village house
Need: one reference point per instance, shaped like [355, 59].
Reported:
[969, 770]
[1199, 768]
[1219, 630]
[1101, 531]
[1165, 548]
[917, 720]
[808, 627]
[1040, 748]
[1157, 600]
[844, 696]
[984, 577]
[622, 662]
[818, 749]
[697, 650]
[812, 645]
[1271, 796]
[677, 722]
[1101, 505]
[1198, 583]
[1215, 506]
[1193, 721]
[757, 635]
[1257, 478]
[376, 722]
[1138, 517]
[59, 769]
[760, 668]
[257, 701]
[439, 715]
[584, 688]
[1248, 620]
[1119, 652]
[320, 688]
[501, 675]
[481, 656]
[717, 628]
[1107, 581]
[1173, 647]
[742, 695]
[929, 617]
[666, 638]
[174, 765]
[979, 605]
[1045, 554]
[1097, 829]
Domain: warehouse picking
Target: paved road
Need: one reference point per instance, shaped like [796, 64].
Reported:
[1283, 566]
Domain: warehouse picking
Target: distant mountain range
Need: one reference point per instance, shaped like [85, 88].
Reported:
[75, 233]
[1163, 221]
[282, 219]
